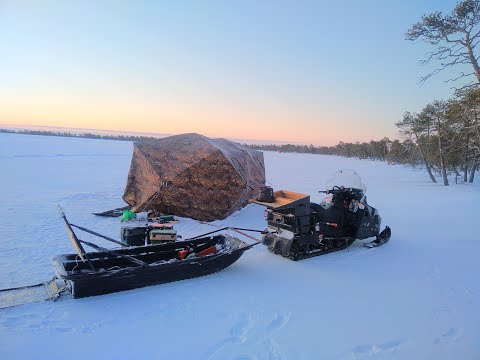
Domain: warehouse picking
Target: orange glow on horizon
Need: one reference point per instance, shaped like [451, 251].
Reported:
[274, 137]
[167, 120]
[164, 113]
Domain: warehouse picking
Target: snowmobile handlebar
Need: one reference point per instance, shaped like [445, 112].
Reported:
[341, 189]
[335, 190]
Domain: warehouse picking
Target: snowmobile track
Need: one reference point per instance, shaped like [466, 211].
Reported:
[297, 253]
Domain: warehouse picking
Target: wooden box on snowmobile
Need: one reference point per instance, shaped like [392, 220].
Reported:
[284, 199]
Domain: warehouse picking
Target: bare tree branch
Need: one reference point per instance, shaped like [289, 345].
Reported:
[455, 37]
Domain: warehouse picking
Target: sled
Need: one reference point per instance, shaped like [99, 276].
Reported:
[110, 270]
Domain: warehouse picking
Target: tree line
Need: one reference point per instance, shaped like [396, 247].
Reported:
[396, 151]
[447, 135]
[447, 132]
[393, 151]
[80, 135]
[444, 137]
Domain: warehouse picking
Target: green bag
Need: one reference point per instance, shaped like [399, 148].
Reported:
[128, 215]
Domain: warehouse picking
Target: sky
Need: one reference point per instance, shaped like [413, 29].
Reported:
[314, 72]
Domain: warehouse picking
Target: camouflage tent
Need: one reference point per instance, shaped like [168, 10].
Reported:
[193, 176]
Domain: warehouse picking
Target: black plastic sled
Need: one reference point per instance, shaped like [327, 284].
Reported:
[140, 266]
[106, 271]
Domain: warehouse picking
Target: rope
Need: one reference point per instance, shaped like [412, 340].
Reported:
[29, 286]
[76, 263]
[23, 287]
[227, 228]
[151, 198]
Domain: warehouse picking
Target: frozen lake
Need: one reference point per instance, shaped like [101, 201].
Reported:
[417, 297]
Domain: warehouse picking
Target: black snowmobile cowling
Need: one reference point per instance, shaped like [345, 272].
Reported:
[298, 228]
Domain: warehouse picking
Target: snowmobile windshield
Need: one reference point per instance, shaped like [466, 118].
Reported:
[347, 179]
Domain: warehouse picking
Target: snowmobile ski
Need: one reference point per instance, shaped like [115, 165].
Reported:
[381, 239]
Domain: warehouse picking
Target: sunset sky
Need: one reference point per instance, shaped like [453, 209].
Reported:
[303, 71]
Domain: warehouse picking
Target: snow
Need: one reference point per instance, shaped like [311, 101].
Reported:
[417, 297]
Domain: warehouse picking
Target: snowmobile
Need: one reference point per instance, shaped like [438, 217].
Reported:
[299, 229]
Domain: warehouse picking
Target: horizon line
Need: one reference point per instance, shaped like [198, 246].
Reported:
[141, 133]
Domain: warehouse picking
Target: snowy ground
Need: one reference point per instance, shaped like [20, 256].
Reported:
[417, 297]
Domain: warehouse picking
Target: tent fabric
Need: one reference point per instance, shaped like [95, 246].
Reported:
[193, 176]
